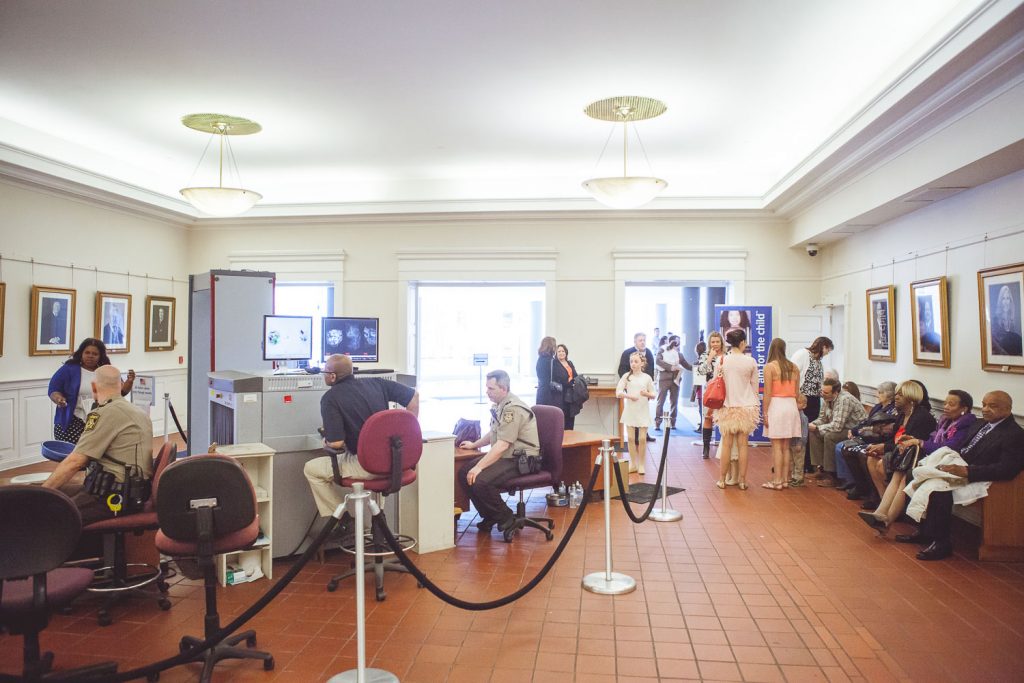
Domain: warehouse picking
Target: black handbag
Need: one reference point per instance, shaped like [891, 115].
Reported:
[553, 385]
[902, 462]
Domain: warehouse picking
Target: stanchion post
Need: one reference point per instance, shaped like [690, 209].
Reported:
[608, 582]
[357, 502]
[167, 403]
[666, 513]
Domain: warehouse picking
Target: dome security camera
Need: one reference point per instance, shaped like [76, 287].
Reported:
[812, 249]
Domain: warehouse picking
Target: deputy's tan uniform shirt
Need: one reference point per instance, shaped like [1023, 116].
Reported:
[116, 434]
[512, 421]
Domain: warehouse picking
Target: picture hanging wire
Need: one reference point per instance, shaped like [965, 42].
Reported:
[984, 251]
[945, 269]
[96, 277]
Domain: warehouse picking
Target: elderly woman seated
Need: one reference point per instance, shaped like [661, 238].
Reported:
[950, 432]
[877, 428]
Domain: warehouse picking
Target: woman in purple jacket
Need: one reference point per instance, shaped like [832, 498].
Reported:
[71, 388]
[951, 432]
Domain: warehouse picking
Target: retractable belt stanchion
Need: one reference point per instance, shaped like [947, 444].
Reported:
[665, 513]
[608, 582]
[356, 501]
[167, 430]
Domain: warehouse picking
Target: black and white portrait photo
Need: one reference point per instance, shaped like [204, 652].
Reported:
[930, 320]
[1000, 293]
[113, 321]
[881, 306]
[53, 321]
[159, 323]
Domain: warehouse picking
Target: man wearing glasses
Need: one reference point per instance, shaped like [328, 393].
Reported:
[346, 406]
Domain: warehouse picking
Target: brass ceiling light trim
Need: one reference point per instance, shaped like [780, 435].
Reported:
[625, 191]
[220, 200]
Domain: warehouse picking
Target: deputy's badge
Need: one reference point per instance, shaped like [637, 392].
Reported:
[91, 420]
[507, 417]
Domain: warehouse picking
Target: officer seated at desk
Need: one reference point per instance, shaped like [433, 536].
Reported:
[116, 445]
[513, 430]
[347, 405]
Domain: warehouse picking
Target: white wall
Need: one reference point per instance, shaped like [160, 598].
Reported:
[918, 244]
[104, 245]
[583, 299]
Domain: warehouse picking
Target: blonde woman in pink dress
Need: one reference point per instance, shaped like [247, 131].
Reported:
[781, 415]
[739, 416]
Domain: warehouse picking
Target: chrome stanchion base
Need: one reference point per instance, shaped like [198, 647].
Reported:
[666, 515]
[619, 584]
[371, 676]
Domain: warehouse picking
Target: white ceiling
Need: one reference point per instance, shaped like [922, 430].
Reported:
[432, 104]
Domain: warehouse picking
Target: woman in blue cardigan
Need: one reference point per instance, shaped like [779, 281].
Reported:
[71, 388]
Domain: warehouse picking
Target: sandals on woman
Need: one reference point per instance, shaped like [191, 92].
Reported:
[742, 486]
[720, 484]
[773, 485]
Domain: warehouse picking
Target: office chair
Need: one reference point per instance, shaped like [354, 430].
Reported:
[550, 429]
[113, 582]
[207, 506]
[390, 445]
[39, 529]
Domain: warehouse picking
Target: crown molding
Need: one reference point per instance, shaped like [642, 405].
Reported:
[934, 91]
[477, 254]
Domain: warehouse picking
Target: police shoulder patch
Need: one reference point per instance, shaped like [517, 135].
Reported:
[91, 419]
[507, 417]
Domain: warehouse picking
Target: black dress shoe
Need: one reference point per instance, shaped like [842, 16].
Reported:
[936, 551]
[872, 521]
[916, 537]
[650, 439]
[870, 504]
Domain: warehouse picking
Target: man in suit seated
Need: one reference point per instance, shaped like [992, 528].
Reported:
[994, 452]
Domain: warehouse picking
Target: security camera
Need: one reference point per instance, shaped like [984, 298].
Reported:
[812, 249]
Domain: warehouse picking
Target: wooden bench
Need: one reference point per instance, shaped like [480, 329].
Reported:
[1000, 515]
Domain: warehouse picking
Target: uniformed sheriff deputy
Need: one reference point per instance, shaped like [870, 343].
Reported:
[117, 436]
[513, 430]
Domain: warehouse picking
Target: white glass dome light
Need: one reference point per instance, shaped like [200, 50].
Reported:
[221, 201]
[625, 191]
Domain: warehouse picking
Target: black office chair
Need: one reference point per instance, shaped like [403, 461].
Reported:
[39, 529]
[207, 506]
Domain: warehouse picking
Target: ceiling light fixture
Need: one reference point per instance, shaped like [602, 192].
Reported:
[220, 200]
[625, 192]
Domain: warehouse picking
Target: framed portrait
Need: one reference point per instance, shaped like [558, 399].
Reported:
[52, 324]
[929, 318]
[114, 321]
[159, 323]
[3, 299]
[1000, 291]
[882, 323]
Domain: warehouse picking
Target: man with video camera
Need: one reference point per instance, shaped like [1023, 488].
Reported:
[115, 449]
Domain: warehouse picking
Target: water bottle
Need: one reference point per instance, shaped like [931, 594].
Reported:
[573, 500]
[577, 492]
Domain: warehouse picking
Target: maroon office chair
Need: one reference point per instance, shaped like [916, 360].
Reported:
[390, 445]
[39, 529]
[550, 430]
[207, 506]
[114, 582]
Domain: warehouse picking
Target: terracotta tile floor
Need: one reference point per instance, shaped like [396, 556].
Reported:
[749, 586]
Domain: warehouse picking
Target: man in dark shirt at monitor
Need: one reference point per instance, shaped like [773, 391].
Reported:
[344, 408]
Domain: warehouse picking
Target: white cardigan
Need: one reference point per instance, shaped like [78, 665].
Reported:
[802, 360]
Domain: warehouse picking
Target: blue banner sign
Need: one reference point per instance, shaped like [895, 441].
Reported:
[756, 321]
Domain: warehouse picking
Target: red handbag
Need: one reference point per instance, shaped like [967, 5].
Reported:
[714, 392]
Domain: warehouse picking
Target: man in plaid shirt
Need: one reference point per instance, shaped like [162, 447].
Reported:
[840, 412]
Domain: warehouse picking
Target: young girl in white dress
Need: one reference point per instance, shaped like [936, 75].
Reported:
[637, 388]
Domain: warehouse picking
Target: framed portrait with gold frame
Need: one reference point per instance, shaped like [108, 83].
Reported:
[113, 325]
[929, 319]
[1000, 293]
[159, 323]
[881, 309]
[52, 321]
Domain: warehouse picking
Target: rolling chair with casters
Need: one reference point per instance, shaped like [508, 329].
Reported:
[113, 582]
[390, 445]
[207, 506]
[39, 529]
[550, 429]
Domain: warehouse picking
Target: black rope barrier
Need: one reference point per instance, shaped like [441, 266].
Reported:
[640, 519]
[150, 670]
[381, 525]
[174, 416]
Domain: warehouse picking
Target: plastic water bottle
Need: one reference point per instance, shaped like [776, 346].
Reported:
[577, 494]
[573, 501]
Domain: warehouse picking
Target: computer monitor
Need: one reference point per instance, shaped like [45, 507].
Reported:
[354, 337]
[287, 337]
